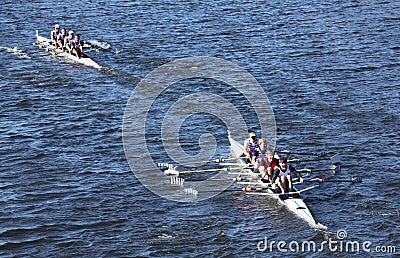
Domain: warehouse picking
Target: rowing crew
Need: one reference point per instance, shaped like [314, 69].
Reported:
[273, 169]
[71, 43]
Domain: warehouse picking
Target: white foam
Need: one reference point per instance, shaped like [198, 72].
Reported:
[15, 51]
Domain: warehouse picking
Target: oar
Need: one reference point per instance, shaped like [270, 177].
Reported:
[236, 164]
[318, 154]
[253, 183]
[336, 169]
[250, 189]
[165, 165]
[195, 192]
[243, 173]
[354, 180]
[170, 172]
[335, 159]
[209, 170]
[296, 192]
[219, 160]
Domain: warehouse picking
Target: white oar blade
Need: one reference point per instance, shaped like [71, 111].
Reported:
[336, 169]
[171, 172]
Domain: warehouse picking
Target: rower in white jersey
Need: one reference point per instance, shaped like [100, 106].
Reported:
[68, 41]
[53, 35]
[282, 175]
[250, 145]
[77, 46]
[61, 39]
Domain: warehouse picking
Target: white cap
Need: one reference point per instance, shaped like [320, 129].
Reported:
[70, 32]
[252, 134]
[56, 26]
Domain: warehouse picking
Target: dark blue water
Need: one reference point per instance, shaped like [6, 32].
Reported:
[331, 73]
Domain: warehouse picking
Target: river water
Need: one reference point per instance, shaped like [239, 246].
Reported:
[330, 71]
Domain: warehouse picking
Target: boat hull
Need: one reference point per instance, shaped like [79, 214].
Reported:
[83, 60]
[293, 203]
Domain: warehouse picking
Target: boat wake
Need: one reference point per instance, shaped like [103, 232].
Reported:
[99, 44]
[15, 51]
[103, 46]
[117, 51]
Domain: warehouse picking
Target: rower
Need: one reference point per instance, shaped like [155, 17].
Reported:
[258, 154]
[68, 41]
[282, 175]
[250, 145]
[77, 46]
[267, 165]
[61, 39]
[54, 33]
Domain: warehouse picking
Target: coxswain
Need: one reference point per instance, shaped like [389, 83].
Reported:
[61, 39]
[54, 33]
[282, 175]
[250, 145]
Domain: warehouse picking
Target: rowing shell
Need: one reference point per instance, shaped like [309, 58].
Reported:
[85, 60]
[294, 203]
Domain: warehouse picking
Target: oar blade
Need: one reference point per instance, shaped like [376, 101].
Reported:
[356, 180]
[335, 169]
[171, 172]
